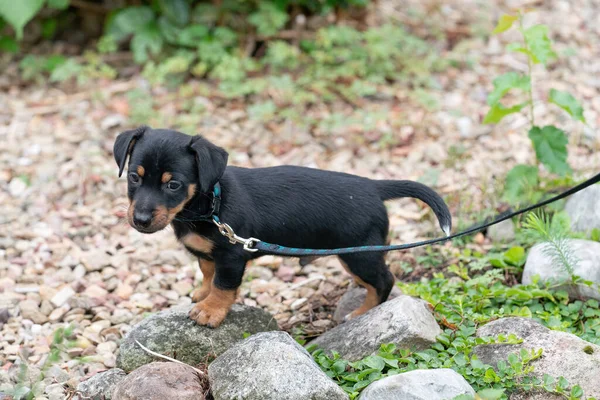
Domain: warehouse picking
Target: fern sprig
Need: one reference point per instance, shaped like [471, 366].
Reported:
[554, 235]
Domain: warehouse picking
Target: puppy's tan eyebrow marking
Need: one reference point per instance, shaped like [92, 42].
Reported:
[166, 177]
[140, 170]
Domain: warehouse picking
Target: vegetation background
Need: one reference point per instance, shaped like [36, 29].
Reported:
[493, 103]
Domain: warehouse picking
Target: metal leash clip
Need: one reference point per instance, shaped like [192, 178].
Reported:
[227, 231]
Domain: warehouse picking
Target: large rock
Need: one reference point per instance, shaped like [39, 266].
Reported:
[270, 365]
[564, 354]
[502, 232]
[159, 381]
[172, 332]
[353, 298]
[587, 254]
[405, 321]
[583, 209]
[423, 384]
[101, 385]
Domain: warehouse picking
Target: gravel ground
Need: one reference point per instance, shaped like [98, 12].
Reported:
[67, 254]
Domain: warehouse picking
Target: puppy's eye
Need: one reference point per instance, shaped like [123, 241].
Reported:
[173, 185]
[134, 178]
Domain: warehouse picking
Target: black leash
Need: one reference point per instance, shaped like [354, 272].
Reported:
[253, 244]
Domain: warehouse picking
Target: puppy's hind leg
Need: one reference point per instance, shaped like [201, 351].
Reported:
[369, 271]
[208, 272]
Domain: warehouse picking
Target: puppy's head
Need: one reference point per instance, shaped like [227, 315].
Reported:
[166, 169]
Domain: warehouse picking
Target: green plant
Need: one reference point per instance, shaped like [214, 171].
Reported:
[554, 234]
[60, 68]
[549, 142]
[460, 307]
[30, 382]
[19, 13]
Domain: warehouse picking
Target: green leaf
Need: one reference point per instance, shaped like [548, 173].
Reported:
[361, 385]
[65, 71]
[463, 397]
[339, 366]
[550, 145]
[147, 40]
[563, 383]
[375, 362]
[518, 47]
[576, 391]
[548, 380]
[568, 103]
[423, 356]
[392, 362]
[363, 374]
[505, 82]
[8, 44]
[491, 376]
[269, 19]
[498, 112]
[476, 364]
[59, 4]
[53, 62]
[192, 35]
[129, 20]
[19, 13]
[520, 180]
[515, 255]
[490, 394]
[177, 11]
[539, 44]
[460, 360]
[169, 30]
[504, 24]
[49, 28]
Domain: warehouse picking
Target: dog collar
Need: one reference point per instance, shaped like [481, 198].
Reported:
[215, 205]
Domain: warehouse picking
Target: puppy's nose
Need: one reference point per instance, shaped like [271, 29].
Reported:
[142, 219]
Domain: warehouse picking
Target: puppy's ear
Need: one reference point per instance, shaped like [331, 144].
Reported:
[124, 144]
[211, 161]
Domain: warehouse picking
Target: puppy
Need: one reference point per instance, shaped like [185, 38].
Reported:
[172, 178]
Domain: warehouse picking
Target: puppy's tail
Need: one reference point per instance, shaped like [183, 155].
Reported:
[389, 189]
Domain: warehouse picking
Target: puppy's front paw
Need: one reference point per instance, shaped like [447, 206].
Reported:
[204, 314]
[200, 294]
[351, 315]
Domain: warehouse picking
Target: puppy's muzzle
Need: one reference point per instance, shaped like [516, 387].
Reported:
[142, 219]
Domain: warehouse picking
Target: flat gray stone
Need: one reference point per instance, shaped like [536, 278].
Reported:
[564, 354]
[101, 385]
[583, 209]
[172, 332]
[405, 321]
[160, 381]
[587, 267]
[353, 298]
[270, 365]
[423, 384]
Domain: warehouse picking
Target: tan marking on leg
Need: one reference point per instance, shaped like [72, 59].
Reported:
[213, 310]
[371, 300]
[166, 177]
[208, 272]
[140, 170]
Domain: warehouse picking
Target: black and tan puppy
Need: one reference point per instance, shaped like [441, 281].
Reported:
[171, 179]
